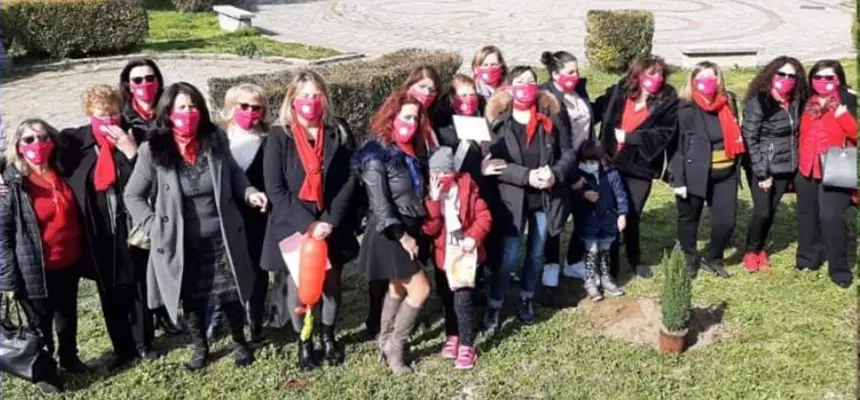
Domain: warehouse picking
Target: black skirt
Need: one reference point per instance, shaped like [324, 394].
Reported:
[382, 256]
[207, 274]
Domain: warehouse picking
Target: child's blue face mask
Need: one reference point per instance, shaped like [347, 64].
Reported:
[589, 167]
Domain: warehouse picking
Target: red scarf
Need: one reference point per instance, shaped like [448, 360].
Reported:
[188, 147]
[731, 131]
[147, 115]
[105, 173]
[312, 162]
[408, 148]
[531, 127]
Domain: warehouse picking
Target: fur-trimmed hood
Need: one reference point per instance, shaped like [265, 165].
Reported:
[165, 152]
[375, 150]
[499, 105]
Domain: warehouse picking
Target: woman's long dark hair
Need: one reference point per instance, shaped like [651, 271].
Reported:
[125, 90]
[640, 66]
[165, 107]
[763, 81]
[837, 68]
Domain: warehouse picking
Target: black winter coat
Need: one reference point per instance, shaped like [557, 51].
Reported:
[284, 176]
[138, 125]
[770, 135]
[646, 150]
[255, 221]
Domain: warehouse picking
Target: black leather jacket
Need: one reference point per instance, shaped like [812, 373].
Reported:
[390, 190]
[770, 135]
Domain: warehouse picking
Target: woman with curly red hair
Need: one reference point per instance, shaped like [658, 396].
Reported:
[393, 169]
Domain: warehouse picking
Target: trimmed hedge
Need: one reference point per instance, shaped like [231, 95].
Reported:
[193, 5]
[357, 88]
[676, 293]
[74, 28]
[615, 38]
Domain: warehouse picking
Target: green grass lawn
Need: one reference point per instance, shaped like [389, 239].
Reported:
[791, 337]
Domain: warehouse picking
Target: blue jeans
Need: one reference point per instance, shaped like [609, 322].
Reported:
[530, 274]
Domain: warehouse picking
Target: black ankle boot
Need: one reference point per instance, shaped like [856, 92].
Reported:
[198, 338]
[306, 355]
[199, 357]
[331, 348]
[243, 356]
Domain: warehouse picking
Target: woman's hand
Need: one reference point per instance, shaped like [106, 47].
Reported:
[410, 245]
[680, 192]
[435, 188]
[622, 223]
[123, 141]
[468, 245]
[620, 136]
[320, 230]
[534, 179]
[492, 166]
[547, 178]
[579, 184]
[592, 196]
[258, 200]
[841, 110]
[10, 295]
[766, 184]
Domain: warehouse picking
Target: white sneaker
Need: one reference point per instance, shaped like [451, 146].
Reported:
[576, 271]
[550, 275]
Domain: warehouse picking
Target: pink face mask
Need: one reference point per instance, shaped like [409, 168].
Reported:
[100, 124]
[145, 91]
[651, 83]
[783, 85]
[706, 86]
[426, 99]
[491, 75]
[466, 105]
[568, 82]
[185, 122]
[525, 94]
[310, 108]
[37, 152]
[404, 131]
[246, 119]
[824, 87]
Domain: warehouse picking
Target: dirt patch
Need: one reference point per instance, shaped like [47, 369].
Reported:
[637, 321]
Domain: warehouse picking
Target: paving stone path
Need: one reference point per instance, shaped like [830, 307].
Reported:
[808, 29]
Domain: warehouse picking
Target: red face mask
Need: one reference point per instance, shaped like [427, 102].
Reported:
[824, 87]
[37, 152]
[525, 95]
[783, 85]
[185, 122]
[426, 99]
[491, 75]
[404, 131]
[99, 124]
[466, 105]
[568, 82]
[247, 119]
[706, 86]
[145, 91]
[310, 108]
[651, 83]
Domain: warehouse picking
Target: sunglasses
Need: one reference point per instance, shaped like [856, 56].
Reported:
[32, 139]
[829, 78]
[137, 80]
[786, 75]
[253, 107]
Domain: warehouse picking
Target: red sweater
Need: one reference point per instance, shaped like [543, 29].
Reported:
[474, 216]
[817, 135]
[631, 119]
[56, 211]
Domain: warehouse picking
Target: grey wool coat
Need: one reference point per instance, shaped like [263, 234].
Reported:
[155, 175]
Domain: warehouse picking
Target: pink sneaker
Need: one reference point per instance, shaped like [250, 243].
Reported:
[450, 349]
[466, 357]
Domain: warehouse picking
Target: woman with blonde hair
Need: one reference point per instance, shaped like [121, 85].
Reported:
[490, 71]
[42, 253]
[705, 169]
[307, 175]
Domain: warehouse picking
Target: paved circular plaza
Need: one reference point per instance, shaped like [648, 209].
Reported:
[808, 29]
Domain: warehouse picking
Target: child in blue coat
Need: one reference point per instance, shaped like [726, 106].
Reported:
[604, 199]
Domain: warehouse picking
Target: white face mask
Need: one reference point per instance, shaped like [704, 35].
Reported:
[589, 167]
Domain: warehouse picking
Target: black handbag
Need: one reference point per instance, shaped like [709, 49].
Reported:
[839, 167]
[22, 351]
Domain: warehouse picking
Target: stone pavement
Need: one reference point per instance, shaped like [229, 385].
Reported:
[807, 29]
[56, 95]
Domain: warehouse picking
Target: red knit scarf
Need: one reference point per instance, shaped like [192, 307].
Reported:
[312, 162]
[105, 172]
[731, 131]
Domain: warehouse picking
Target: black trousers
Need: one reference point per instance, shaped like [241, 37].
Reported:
[765, 205]
[576, 247]
[638, 191]
[552, 250]
[459, 310]
[377, 289]
[127, 318]
[257, 303]
[59, 310]
[822, 229]
[722, 197]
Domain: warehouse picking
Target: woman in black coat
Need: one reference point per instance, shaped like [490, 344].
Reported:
[538, 165]
[705, 168]
[308, 177]
[772, 108]
[140, 86]
[100, 159]
[639, 129]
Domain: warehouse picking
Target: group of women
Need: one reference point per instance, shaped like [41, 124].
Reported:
[165, 207]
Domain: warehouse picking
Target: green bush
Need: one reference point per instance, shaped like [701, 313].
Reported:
[357, 88]
[193, 5]
[676, 293]
[615, 38]
[74, 28]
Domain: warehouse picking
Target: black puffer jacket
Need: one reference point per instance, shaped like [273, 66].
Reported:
[770, 135]
[138, 125]
[390, 191]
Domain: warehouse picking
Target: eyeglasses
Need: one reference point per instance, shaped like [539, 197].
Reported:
[829, 78]
[253, 107]
[32, 139]
[137, 80]
[786, 75]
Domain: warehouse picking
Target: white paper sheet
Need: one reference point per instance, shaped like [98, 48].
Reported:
[472, 128]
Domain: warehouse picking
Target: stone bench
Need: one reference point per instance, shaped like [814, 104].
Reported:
[233, 18]
[727, 57]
